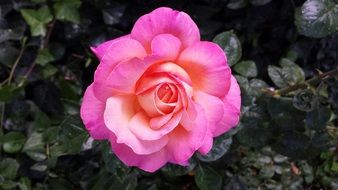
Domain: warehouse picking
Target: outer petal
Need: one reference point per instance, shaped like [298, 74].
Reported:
[207, 145]
[117, 115]
[182, 143]
[165, 21]
[112, 53]
[207, 66]
[213, 108]
[232, 105]
[101, 49]
[166, 46]
[149, 163]
[92, 115]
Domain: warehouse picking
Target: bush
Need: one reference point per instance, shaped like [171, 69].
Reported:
[283, 53]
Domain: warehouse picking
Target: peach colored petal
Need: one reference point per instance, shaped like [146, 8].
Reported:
[206, 64]
[139, 125]
[117, 115]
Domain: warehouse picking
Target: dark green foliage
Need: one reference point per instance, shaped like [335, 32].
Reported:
[278, 51]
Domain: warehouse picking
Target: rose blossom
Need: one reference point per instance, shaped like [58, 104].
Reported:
[160, 94]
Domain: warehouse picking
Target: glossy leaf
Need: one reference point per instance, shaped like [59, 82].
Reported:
[12, 142]
[8, 168]
[220, 146]
[317, 18]
[231, 45]
[67, 10]
[246, 68]
[37, 20]
[207, 177]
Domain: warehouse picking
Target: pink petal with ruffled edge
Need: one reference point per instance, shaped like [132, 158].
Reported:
[149, 163]
[125, 75]
[207, 66]
[182, 143]
[114, 52]
[92, 115]
[165, 21]
[232, 105]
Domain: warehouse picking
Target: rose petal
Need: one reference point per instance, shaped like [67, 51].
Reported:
[182, 143]
[207, 144]
[232, 104]
[101, 49]
[149, 163]
[139, 125]
[117, 115]
[112, 53]
[213, 108]
[207, 66]
[165, 21]
[92, 115]
[124, 76]
[166, 46]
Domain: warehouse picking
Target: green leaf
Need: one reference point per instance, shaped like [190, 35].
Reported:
[288, 75]
[8, 54]
[206, 177]
[246, 68]
[8, 168]
[41, 121]
[318, 118]
[285, 114]
[220, 146]
[178, 170]
[67, 10]
[12, 141]
[259, 2]
[37, 20]
[49, 70]
[317, 18]
[236, 183]
[296, 74]
[72, 135]
[9, 92]
[25, 183]
[231, 45]
[237, 4]
[293, 145]
[35, 147]
[44, 57]
[277, 76]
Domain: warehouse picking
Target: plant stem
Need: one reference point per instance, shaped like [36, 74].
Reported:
[44, 45]
[2, 118]
[23, 46]
[313, 81]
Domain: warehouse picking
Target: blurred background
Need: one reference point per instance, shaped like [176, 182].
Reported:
[284, 54]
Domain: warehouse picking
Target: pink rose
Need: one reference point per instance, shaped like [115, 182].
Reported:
[160, 94]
